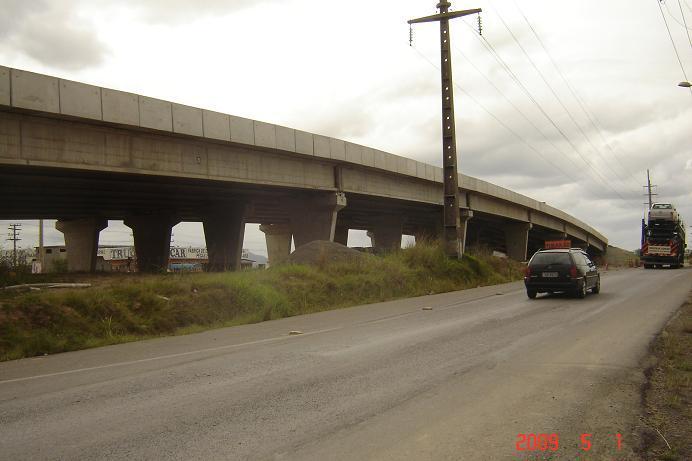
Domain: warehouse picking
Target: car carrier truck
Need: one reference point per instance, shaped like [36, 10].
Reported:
[663, 238]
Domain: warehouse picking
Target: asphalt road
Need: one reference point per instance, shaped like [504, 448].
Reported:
[384, 381]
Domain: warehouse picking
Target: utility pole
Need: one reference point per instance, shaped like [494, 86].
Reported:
[649, 187]
[454, 244]
[15, 229]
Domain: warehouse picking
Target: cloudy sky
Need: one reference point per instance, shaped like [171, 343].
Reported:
[566, 102]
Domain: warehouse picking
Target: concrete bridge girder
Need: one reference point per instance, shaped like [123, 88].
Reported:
[60, 127]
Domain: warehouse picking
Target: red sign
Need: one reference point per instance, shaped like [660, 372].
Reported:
[555, 244]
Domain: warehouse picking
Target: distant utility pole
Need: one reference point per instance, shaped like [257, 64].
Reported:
[14, 229]
[454, 244]
[649, 187]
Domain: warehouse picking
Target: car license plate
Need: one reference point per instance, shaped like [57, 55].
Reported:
[549, 275]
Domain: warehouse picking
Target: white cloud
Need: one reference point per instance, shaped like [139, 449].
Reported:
[346, 70]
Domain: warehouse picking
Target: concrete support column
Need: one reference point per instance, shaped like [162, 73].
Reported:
[224, 231]
[517, 240]
[386, 232]
[152, 234]
[81, 241]
[465, 215]
[278, 237]
[315, 219]
[341, 235]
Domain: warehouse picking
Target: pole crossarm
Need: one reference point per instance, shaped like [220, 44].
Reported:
[439, 17]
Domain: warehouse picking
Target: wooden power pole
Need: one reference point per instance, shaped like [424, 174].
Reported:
[454, 244]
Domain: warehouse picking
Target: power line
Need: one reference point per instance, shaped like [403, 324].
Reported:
[684, 21]
[592, 119]
[523, 115]
[557, 97]
[491, 49]
[674, 18]
[497, 119]
[675, 48]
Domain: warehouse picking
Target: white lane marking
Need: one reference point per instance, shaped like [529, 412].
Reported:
[163, 357]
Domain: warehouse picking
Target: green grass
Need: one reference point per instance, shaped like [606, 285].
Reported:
[121, 308]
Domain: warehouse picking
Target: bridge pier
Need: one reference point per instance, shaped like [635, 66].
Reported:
[341, 234]
[152, 234]
[316, 219]
[224, 231]
[81, 242]
[386, 232]
[278, 238]
[517, 240]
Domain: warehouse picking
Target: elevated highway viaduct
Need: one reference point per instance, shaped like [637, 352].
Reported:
[82, 154]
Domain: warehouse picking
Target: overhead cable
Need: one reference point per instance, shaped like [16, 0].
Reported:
[560, 102]
[675, 48]
[509, 129]
[491, 49]
[592, 118]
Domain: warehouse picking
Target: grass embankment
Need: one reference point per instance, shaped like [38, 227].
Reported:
[617, 257]
[667, 434]
[127, 308]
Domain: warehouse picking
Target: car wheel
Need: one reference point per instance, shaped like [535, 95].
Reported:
[581, 289]
[597, 288]
[531, 294]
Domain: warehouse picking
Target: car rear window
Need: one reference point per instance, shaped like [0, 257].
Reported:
[551, 258]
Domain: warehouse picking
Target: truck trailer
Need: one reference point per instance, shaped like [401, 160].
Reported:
[663, 238]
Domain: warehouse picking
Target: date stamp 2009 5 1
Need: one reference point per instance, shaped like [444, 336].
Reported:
[551, 442]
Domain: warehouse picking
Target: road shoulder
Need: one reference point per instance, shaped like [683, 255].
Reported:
[666, 424]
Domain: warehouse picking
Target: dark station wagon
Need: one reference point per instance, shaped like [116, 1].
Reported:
[566, 270]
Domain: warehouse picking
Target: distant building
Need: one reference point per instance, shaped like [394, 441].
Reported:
[124, 259]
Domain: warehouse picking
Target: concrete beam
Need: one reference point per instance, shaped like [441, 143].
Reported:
[517, 240]
[80, 146]
[224, 231]
[278, 238]
[81, 242]
[316, 219]
[152, 234]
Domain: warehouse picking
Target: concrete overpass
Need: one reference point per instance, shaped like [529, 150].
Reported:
[82, 154]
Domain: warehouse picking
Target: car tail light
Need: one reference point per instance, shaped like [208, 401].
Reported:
[573, 271]
[527, 271]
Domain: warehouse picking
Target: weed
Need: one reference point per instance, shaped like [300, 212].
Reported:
[121, 308]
